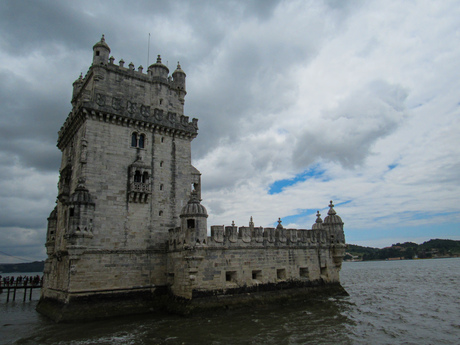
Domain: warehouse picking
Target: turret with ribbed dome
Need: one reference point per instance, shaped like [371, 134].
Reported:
[334, 224]
[332, 218]
[159, 70]
[101, 52]
[318, 225]
[179, 78]
[179, 82]
[76, 86]
[81, 212]
[194, 221]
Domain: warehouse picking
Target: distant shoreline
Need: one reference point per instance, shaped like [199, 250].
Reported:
[36, 266]
[403, 259]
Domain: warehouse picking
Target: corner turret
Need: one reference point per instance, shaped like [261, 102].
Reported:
[319, 222]
[193, 221]
[76, 88]
[333, 223]
[159, 70]
[101, 53]
[179, 78]
[81, 213]
[179, 82]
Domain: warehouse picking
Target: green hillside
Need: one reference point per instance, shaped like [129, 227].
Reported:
[36, 266]
[406, 250]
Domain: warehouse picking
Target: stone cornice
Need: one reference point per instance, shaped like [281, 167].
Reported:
[168, 124]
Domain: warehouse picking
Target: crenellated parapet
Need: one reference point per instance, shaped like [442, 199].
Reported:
[327, 234]
[128, 96]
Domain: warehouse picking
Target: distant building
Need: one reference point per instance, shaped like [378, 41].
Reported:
[129, 228]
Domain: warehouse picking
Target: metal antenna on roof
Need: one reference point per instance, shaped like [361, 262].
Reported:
[148, 52]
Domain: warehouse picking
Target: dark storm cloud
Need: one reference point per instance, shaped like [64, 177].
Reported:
[32, 25]
[29, 123]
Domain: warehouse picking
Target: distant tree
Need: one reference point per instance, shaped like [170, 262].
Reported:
[409, 253]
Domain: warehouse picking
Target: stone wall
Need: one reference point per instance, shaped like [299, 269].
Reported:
[249, 258]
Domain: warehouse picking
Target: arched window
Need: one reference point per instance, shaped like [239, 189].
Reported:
[145, 177]
[134, 140]
[137, 176]
[138, 140]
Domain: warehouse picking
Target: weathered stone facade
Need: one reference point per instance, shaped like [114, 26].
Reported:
[128, 225]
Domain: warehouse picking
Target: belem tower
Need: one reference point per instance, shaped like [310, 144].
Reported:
[129, 233]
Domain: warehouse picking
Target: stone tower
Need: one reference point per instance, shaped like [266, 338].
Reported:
[125, 176]
[129, 233]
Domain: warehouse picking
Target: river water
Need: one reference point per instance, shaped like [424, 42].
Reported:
[390, 302]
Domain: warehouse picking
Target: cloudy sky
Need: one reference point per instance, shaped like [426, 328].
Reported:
[299, 102]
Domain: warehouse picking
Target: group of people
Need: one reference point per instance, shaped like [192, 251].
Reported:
[20, 280]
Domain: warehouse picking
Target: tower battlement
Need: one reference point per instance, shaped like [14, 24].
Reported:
[250, 236]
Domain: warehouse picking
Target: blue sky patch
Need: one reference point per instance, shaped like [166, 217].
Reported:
[297, 218]
[278, 186]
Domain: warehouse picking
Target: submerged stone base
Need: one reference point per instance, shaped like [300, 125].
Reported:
[85, 308]
[262, 295]
[97, 306]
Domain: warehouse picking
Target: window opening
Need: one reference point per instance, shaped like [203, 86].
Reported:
[230, 276]
[190, 223]
[281, 274]
[257, 275]
[141, 141]
[137, 176]
[145, 177]
[304, 272]
[324, 271]
[134, 140]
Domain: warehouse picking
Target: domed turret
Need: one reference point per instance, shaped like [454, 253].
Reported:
[81, 212]
[81, 195]
[333, 223]
[332, 217]
[193, 208]
[76, 87]
[101, 52]
[51, 232]
[158, 69]
[179, 78]
[193, 221]
[319, 222]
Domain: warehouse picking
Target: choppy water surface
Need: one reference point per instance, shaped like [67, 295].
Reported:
[396, 302]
